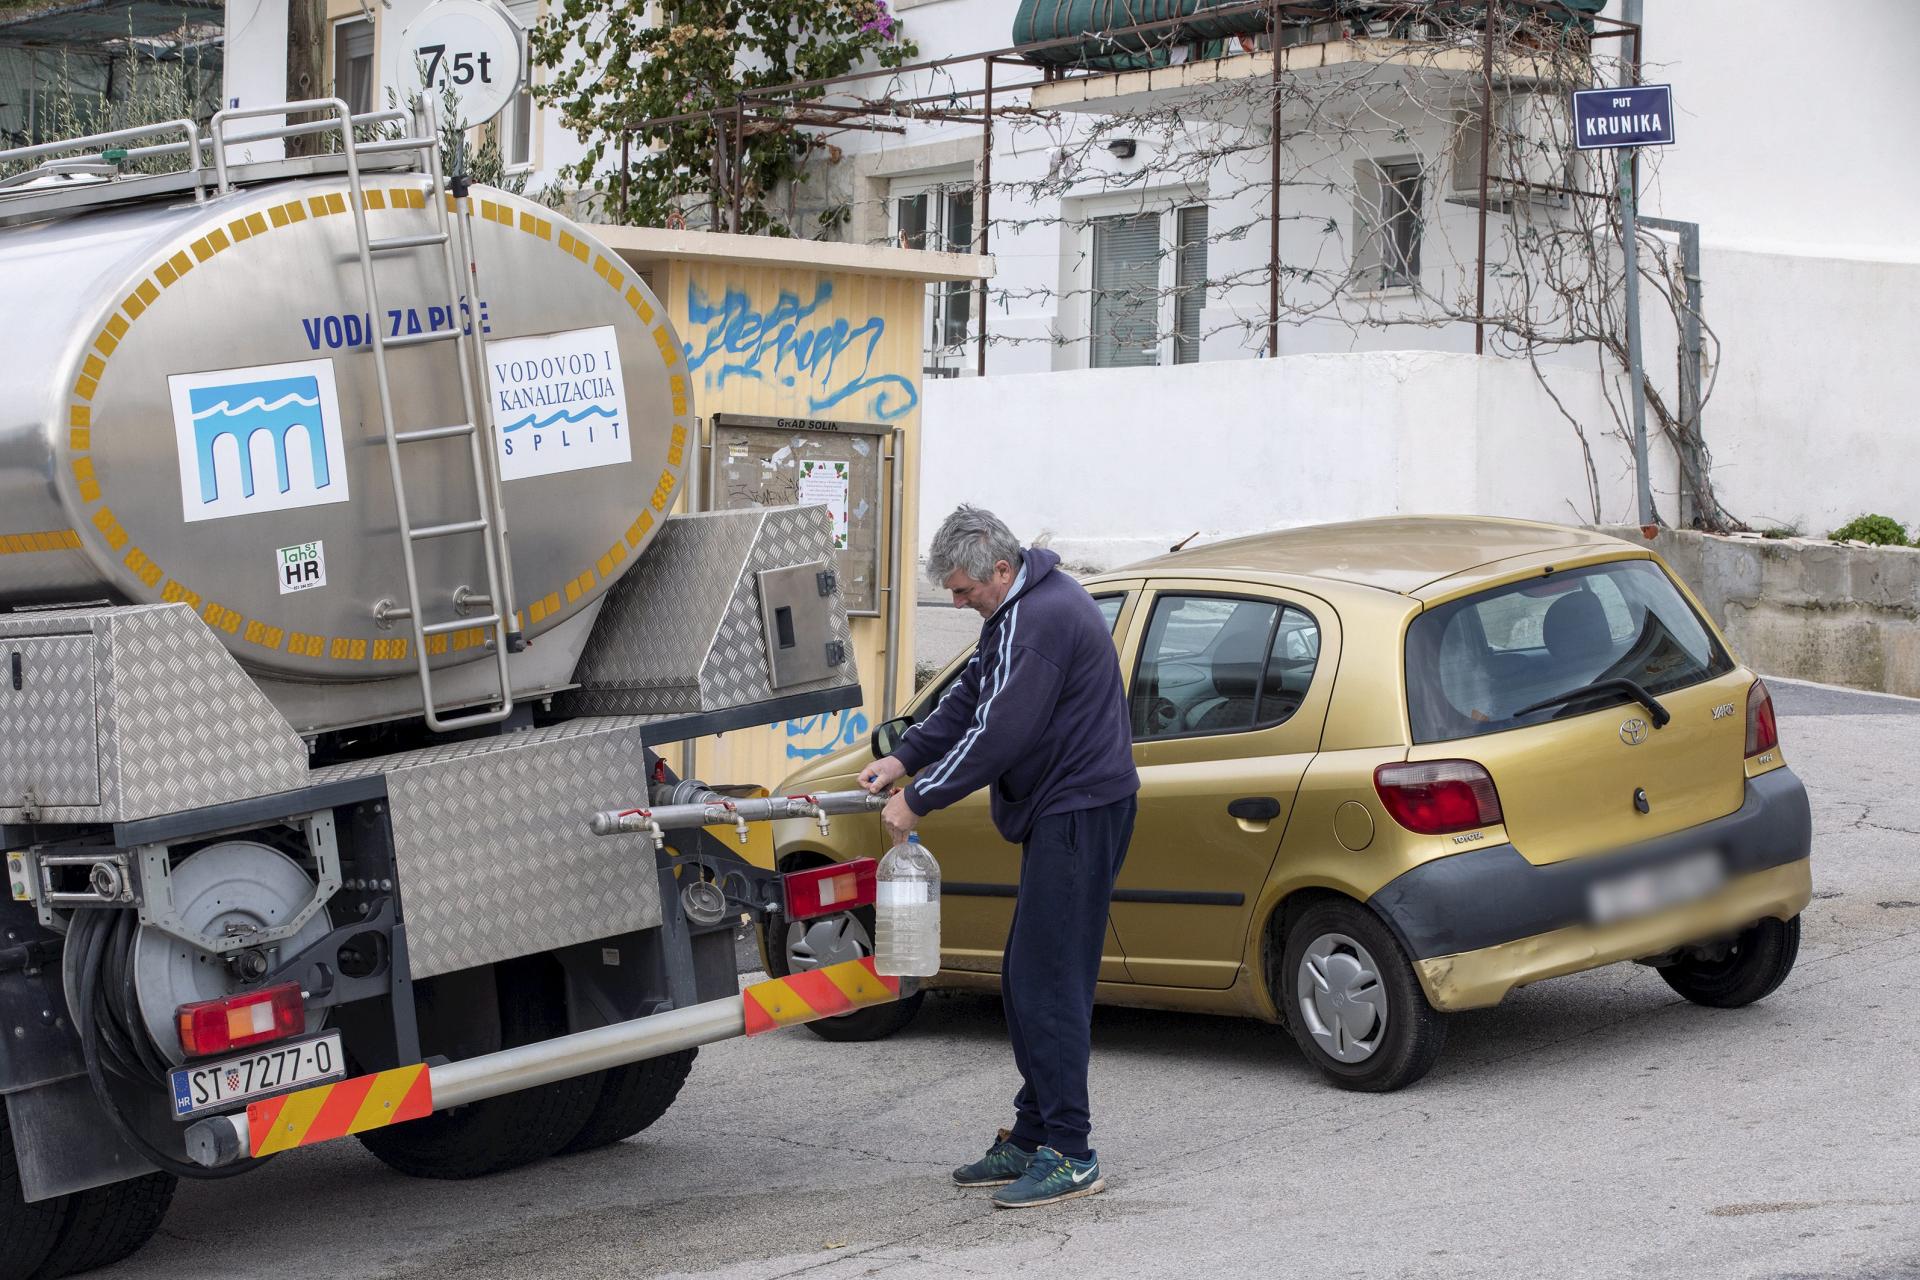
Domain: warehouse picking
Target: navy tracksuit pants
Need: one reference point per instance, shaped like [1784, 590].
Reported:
[1067, 868]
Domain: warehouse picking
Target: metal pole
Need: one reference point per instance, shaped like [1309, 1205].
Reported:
[900, 574]
[737, 183]
[1692, 365]
[986, 206]
[1273, 189]
[1630, 256]
[1486, 145]
[1635, 374]
[625, 138]
[221, 1140]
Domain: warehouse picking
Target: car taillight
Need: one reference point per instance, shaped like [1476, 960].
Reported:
[1435, 797]
[234, 1022]
[821, 891]
[1763, 729]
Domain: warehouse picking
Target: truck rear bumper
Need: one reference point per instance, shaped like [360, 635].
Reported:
[351, 1106]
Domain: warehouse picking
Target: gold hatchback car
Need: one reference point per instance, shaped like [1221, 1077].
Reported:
[1391, 770]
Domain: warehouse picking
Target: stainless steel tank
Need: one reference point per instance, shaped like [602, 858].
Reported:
[188, 412]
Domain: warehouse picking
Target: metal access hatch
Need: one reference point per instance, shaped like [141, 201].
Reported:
[50, 754]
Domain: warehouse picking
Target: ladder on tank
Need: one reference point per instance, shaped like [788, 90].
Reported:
[450, 233]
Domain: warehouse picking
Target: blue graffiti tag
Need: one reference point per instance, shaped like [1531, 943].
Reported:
[738, 339]
[851, 728]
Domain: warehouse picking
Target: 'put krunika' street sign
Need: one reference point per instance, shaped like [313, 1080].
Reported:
[1638, 115]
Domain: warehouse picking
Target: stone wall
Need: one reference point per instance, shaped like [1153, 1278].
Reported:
[1807, 608]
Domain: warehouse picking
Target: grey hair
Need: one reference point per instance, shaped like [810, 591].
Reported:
[971, 540]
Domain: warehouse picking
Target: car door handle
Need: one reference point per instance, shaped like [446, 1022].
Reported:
[1254, 809]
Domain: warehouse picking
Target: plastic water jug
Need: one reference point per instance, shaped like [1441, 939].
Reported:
[906, 912]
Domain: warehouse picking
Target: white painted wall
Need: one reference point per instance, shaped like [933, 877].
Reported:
[1117, 464]
[1816, 418]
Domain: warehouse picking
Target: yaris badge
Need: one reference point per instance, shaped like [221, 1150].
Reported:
[1633, 732]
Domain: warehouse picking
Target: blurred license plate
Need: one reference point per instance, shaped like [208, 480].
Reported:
[1641, 893]
[273, 1069]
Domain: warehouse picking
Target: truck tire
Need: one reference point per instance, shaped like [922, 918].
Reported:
[1755, 965]
[854, 939]
[27, 1231]
[497, 1134]
[108, 1223]
[632, 1097]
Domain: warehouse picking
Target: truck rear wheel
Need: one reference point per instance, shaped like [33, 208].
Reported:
[27, 1230]
[108, 1223]
[632, 1097]
[497, 1134]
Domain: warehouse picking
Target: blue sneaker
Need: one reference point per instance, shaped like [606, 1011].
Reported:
[1003, 1163]
[1051, 1178]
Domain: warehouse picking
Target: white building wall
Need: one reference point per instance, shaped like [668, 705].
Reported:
[1794, 122]
[1118, 464]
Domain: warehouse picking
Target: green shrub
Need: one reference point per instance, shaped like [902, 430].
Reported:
[1883, 531]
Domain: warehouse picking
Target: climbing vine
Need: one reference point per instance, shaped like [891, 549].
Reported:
[621, 71]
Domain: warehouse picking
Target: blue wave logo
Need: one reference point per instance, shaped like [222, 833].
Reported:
[241, 411]
[562, 415]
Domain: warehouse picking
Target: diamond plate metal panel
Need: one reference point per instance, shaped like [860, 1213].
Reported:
[682, 632]
[180, 724]
[737, 669]
[491, 842]
[49, 748]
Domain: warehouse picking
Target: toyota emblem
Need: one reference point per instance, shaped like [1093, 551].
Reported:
[1633, 731]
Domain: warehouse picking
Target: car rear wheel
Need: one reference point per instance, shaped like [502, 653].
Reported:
[108, 1223]
[1352, 1001]
[824, 940]
[1751, 968]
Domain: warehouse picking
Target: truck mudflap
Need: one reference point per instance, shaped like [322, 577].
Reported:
[328, 1111]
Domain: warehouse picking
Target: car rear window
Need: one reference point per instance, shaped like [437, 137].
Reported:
[1473, 663]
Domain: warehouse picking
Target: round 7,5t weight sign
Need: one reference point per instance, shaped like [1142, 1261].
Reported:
[472, 45]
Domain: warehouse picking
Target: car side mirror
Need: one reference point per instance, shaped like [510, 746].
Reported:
[887, 736]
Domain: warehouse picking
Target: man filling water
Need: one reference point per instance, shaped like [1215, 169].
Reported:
[1039, 714]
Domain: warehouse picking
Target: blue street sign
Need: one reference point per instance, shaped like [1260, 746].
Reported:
[1638, 115]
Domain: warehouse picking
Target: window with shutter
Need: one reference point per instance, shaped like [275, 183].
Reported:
[1190, 282]
[1387, 224]
[1126, 291]
[353, 63]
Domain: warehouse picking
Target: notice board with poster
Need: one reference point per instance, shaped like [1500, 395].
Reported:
[775, 462]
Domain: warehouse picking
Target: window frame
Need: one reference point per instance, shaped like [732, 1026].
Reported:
[1375, 248]
[1167, 206]
[337, 32]
[940, 190]
[928, 698]
[1279, 604]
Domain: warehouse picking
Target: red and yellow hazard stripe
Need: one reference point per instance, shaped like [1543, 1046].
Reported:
[815, 994]
[335, 1110]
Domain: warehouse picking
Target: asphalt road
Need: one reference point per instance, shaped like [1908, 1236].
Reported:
[1595, 1125]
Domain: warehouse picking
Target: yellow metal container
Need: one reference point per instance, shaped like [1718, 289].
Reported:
[802, 332]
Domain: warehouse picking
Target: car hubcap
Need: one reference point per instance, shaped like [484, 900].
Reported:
[1341, 998]
[812, 944]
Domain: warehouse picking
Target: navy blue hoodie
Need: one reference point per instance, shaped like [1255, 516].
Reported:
[1038, 713]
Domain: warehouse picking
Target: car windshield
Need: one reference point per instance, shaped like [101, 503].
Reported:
[1473, 663]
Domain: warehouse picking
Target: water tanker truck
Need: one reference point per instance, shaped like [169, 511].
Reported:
[342, 619]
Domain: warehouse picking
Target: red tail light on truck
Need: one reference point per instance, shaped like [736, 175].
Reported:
[821, 891]
[234, 1022]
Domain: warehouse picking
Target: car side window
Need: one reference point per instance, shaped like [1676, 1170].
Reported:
[1109, 613]
[1221, 664]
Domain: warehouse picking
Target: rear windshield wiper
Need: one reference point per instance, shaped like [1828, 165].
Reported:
[1617, 684]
